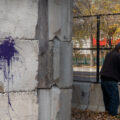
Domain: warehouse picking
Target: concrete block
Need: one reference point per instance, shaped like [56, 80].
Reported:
[80, 97]
[18, 72]
[58, 66]
[49, 103]
[96, 98]
[65, 104]
[18, 19]
[24, 106]
[88, 96]
[54, 103]
[60, 19]
[66, 74]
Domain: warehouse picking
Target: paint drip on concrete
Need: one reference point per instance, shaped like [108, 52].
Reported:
[8, 53]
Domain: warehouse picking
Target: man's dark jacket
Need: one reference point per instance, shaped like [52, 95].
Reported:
[111, 66]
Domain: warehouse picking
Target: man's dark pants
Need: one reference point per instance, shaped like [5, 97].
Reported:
[110, 96]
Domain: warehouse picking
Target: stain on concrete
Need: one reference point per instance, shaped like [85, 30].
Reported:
[1, 87]
[83, 94]
[8, 53]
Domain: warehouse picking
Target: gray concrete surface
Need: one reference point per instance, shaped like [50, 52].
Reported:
[35, 25]
[65, 104]
[23, 69]
[18, 18]
[66, 73]
[60, 19]
[88, 96]
[24, 106]
[80, 95]
[55, 86]
[55, 104]
[18, 82]
[96, 98]
[56, 60]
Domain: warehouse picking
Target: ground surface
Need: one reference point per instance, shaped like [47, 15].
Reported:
[89, 115]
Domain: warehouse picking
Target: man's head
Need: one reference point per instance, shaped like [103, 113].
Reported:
[117, 47]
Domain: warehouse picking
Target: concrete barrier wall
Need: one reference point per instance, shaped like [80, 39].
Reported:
[57, 58]
[88, 96]
[21, 59]
[18, 60]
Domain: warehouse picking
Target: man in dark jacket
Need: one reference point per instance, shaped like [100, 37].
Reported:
[110, 76]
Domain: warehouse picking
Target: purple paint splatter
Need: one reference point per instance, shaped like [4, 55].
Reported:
[7, 50]
[7, 54]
